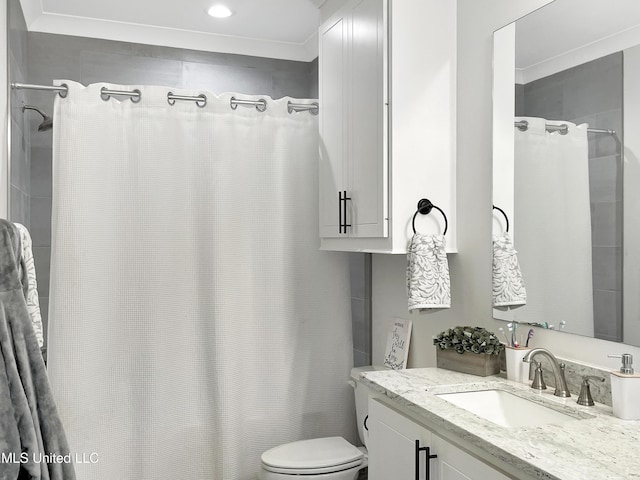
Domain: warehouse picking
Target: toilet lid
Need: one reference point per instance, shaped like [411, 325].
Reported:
[318, 453]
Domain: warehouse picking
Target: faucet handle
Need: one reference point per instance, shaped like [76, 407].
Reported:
[538, 381]
[585, 392]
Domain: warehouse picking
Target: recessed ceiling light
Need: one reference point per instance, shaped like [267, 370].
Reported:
[220, 11]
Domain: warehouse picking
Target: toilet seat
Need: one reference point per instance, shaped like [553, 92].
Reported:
[312, 471]
[312, 457]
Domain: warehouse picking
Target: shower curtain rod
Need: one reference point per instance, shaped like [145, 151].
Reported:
[523, 126]
[62, 89]
[200, 100]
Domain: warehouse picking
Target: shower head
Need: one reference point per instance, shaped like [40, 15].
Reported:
[47, 121]
[47, 124]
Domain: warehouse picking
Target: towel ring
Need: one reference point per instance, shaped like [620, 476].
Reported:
[506, 219]
[424, 208]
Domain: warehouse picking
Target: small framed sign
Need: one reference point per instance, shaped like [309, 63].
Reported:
[397, 350]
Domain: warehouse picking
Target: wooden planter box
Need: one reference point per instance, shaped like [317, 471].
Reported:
[481, 364]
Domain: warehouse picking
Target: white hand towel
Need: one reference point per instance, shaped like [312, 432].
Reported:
[33, 304]
[428, 283]
[508, 286]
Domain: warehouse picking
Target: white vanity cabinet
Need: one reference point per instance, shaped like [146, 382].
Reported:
[454, 463]
[392, 445]
[387, 87]
[394, 454]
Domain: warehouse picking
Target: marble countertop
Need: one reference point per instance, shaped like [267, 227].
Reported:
[594, 446]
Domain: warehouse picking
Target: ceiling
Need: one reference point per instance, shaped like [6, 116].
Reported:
[284, 29]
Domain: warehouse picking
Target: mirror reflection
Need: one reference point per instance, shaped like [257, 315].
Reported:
[566, 90]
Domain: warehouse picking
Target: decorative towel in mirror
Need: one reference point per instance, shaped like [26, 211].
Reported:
[508, 286]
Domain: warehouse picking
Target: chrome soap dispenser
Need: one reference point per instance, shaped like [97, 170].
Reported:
[625, 389]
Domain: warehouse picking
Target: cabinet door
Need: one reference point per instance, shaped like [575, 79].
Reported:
[353, 122]
[367, 158]
[455, 464]
[392, 445]
[332, 120]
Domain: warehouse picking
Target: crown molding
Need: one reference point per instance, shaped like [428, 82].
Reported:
[39, 21]
[605, 46]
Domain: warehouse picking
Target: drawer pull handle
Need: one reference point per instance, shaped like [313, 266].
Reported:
[429, 457]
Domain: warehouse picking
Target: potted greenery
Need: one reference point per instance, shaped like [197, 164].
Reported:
[473, 350]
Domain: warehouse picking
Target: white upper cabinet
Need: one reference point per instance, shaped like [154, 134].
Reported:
[387, 123]
[352, 87]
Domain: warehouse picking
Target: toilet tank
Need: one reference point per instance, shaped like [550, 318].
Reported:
[362, 393]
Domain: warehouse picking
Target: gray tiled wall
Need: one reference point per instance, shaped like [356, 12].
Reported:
[20, 182]
[592, 93]
[360, 269]
[89, 60]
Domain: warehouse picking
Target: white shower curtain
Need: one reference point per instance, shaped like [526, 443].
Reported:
[193, 321]
[553, 224]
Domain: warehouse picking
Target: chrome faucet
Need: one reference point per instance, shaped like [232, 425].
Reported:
[558, 370]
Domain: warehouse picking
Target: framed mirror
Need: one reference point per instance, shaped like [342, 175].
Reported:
[566, 169]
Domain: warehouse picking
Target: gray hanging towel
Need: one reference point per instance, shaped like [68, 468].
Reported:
[508, 286]
[30, 428]
[428, 284]
[33, 303]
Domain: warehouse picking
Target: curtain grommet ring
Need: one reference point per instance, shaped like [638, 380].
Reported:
[104, 96]
[64, 93]
[136, 98]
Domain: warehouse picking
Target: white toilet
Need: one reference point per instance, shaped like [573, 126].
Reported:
[330, 458]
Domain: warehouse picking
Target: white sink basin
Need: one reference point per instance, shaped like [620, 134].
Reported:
[506, 409]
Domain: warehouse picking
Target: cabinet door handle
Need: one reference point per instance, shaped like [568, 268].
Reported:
[429, 457]
[344, 211]
[339, 212]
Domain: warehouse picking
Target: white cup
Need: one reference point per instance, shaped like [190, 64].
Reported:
[517, 370]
